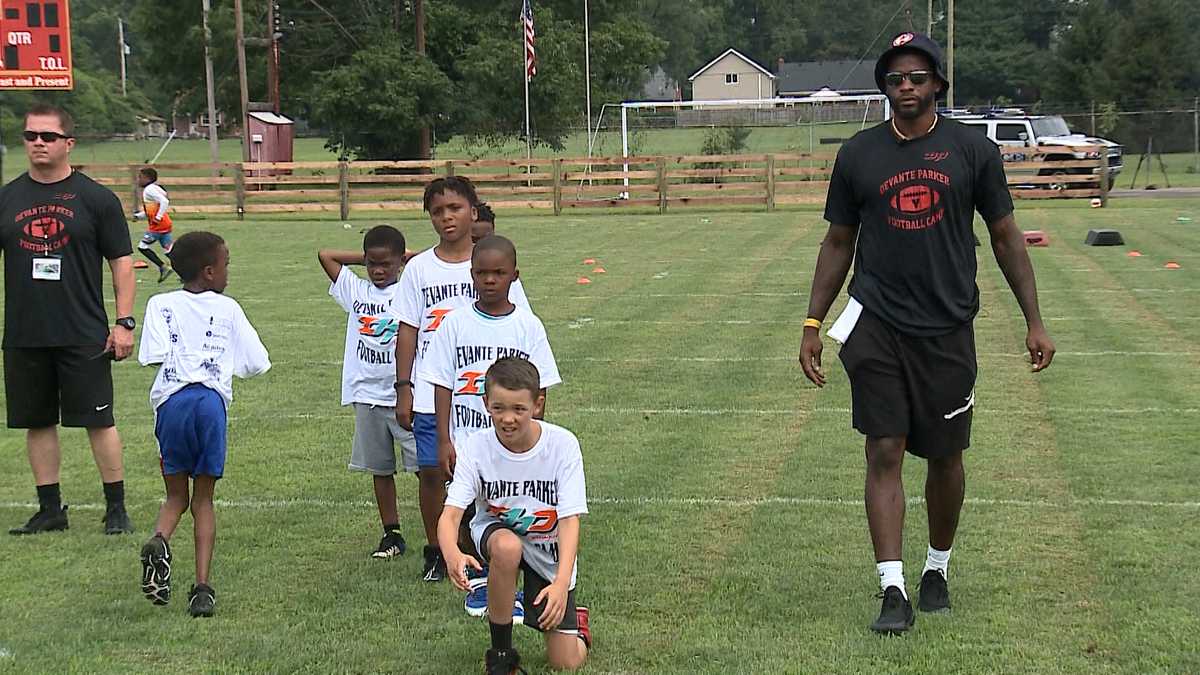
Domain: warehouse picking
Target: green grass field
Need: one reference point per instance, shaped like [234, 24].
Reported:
[726, 533]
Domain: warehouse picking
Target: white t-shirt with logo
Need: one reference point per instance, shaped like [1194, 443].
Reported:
[467, 343]
[199, 338]
[527, 492]
[369, 362]
[430, 290]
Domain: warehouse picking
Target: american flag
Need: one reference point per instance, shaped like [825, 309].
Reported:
[530, 55]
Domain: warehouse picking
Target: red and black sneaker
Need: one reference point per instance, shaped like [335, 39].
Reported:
[503, 662]
[585, 628]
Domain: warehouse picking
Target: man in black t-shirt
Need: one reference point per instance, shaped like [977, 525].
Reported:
[901, 205]
[56, 226]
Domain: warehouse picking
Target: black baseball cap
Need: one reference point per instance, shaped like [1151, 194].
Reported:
[912, 42]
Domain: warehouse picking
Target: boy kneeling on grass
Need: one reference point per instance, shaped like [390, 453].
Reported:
[202, 339]
[525, 478]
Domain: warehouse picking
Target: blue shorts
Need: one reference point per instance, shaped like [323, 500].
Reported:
[425, 431]
[190, 428]
[163, 238]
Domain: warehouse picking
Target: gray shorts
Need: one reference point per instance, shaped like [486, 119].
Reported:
[376, 432]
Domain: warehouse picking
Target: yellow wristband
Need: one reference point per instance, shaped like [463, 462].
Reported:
[812, 323]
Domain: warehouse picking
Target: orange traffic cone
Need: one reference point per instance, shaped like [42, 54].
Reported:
[584, 280]
[589, 261]
[599, 270]
[1172, 265]
[1134, 254]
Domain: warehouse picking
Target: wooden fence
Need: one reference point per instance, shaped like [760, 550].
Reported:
[560, 184]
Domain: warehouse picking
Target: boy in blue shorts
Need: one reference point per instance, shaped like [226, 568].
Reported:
[435, 284]
[158, 221]
[202, 339]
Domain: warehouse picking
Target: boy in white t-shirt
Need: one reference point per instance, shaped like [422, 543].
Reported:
[470, 340]
[434, 284]
[369, 369]
[525, 479]
[202, 339]
[155, 205]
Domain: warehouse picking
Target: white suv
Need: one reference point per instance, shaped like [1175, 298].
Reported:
[1013, 130]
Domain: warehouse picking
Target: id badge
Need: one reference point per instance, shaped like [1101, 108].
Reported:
[47, 269]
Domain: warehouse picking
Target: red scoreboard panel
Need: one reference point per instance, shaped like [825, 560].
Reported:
[36, 45]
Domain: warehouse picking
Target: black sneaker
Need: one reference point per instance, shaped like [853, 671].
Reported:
[896, 615]
[933, 594]
[202, 600]
[116, 520]
[44, 521]
[503, 662]
[435, 565]
[156, 570]
[163, 273]
[390, 546]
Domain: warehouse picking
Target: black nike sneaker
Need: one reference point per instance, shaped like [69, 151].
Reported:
[45, 520]
[156, 570]
[390, 546]
[163, 273]
[503, 662]
[202, 600]
[435, 565]
[933, 594]
[116, 520]
[896, 615]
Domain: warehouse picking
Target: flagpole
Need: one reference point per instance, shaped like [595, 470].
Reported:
[525, 76]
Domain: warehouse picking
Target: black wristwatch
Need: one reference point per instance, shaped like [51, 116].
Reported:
[403, 383]
[127, 322]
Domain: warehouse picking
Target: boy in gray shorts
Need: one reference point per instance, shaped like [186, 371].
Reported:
[369, 369]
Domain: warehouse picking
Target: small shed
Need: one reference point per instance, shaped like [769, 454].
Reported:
[271, 137]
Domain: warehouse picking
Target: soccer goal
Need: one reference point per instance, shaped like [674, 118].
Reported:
[815, 124]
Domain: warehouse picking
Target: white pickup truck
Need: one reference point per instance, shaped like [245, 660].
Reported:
[1013, 130]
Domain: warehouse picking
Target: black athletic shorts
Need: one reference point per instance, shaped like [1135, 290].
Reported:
[532, 585]
[41, 382]
[920, 388]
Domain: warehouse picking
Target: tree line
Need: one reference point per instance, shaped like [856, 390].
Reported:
[351, 67]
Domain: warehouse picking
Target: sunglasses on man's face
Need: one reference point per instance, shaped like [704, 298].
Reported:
[917, 77]
[46, 136]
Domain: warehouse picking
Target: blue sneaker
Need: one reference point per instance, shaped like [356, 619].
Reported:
[519, 609]
[476, 602]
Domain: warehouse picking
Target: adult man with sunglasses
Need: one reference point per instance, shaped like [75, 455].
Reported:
[901, 205]
[56, 225]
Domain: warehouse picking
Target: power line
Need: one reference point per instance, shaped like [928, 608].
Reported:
[903, 4]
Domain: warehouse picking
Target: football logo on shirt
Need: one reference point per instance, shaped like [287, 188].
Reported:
[916, 198]
[520, 523]
[383, 330]
[44, 228]
[471, 383]
[436, 316]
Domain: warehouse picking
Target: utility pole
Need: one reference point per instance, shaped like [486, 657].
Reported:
[240, 29]
[587, 70]
[121, 52]
[419, 15]
[273, 55]
[929, 20]
[214, 149]
[1196, 131]
[950, 52]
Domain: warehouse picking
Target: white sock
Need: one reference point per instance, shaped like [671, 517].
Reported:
[937, 560]
[891, 573]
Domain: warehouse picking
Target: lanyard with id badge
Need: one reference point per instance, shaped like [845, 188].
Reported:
[48, 266]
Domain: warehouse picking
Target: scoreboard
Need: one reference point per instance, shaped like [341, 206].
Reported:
[36, 40]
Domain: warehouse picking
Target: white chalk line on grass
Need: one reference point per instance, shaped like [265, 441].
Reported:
[674, 502]
[772, 412]
[760, 412]
[752, 359]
